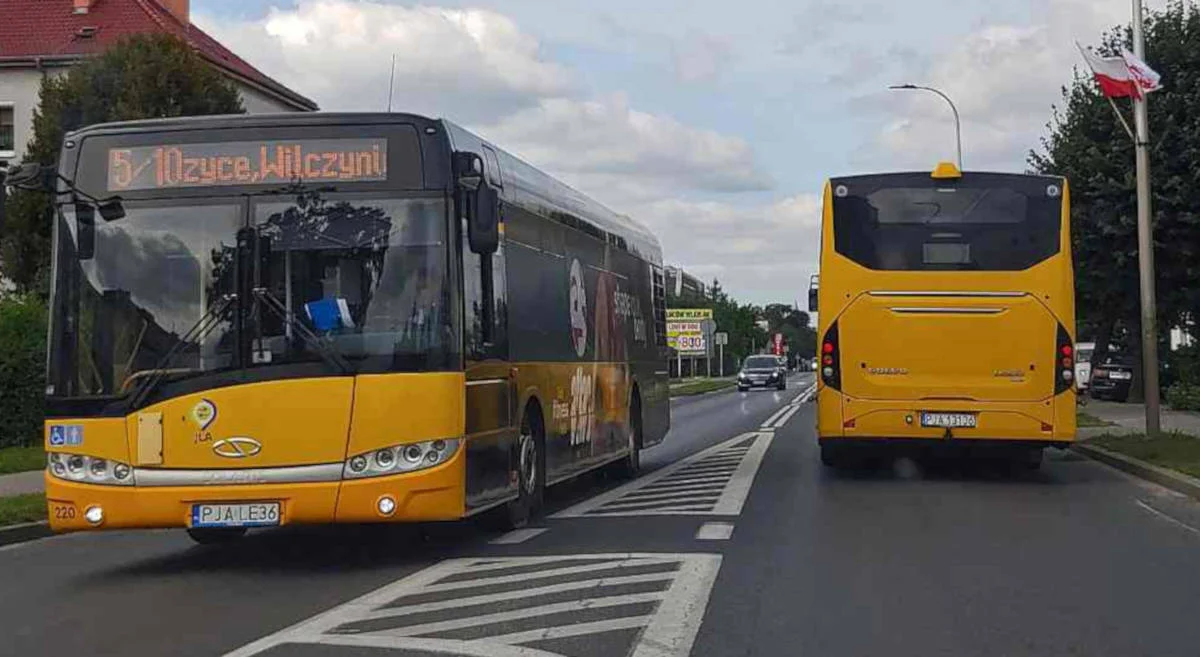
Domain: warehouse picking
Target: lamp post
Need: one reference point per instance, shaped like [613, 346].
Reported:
[957, 123]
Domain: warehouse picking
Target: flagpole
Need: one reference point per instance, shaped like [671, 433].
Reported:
[1145, 238]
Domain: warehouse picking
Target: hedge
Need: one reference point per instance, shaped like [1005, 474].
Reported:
[22, 369]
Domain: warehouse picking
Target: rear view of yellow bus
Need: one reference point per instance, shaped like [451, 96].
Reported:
[946, 315]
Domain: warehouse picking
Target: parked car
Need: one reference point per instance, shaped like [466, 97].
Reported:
[762, 372]
[1111, 380]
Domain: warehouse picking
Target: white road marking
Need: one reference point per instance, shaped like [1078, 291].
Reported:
[738, 489]
[517, 536]
[775, 416]
[518, 594]
[1170, 519]
[792, 410]
[650, 480]
[669, 613]
[525, 612]
[715, 531]
[523, 577]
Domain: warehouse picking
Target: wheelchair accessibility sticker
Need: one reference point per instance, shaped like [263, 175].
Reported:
[66, 435]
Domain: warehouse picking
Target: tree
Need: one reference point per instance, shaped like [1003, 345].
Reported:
[1087, 144]
[139, 77]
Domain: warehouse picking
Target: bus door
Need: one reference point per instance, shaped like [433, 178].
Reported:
[492, 421]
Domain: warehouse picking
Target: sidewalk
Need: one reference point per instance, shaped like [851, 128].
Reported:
[1131, 418]
[21, 483]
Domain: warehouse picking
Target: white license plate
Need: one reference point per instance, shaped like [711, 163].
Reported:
[249, 514]
[1121, 376]
[949, 420]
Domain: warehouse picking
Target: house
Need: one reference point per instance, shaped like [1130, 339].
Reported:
[45, 37]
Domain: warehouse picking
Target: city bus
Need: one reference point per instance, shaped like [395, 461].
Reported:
[946, 315]
[336, 318]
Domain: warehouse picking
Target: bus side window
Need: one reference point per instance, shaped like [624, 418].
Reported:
[485, 304]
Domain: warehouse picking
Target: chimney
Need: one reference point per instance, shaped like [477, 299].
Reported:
[178, 9]
[82, 6]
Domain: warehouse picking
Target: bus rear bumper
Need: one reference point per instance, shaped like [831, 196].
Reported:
[436, 494]
[1047, 423]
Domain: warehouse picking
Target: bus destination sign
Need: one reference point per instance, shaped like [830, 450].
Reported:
[246, 163]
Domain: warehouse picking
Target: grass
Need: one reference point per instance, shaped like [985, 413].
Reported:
[22, 459]
[1177, 451]
[22, 508]
[700, 386]
[1088, 421]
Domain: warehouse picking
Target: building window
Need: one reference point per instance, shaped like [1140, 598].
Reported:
[8, 135]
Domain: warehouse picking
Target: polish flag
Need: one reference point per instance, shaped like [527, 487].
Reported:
[1123, 76]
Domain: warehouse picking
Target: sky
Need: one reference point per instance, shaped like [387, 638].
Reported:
[714, 124]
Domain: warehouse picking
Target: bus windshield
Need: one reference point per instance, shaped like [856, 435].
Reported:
[364, 276]
[987, 222]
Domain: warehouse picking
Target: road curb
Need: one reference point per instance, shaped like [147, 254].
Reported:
[28, 531]
[1178, 482]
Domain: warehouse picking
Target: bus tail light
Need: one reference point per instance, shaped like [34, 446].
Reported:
[1064, 352]
[831, 373]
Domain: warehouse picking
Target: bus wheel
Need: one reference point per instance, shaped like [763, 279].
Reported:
[530, 476]
[631, 465]
[215, 535]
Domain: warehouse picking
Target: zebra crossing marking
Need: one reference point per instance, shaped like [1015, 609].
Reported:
[519, 606]
[715, 481]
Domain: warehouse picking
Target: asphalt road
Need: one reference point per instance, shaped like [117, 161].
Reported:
[734, 542]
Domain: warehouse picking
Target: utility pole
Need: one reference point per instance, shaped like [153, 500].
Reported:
[1145, 238]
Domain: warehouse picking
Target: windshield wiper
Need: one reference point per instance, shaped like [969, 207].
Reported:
[327, 353]
[203, 326]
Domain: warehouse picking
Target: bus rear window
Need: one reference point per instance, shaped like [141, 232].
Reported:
[910, 223]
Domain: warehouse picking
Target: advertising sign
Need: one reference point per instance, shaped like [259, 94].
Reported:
[777, 344]
[688, 314]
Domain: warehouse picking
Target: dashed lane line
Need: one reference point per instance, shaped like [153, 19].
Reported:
[715, 531]
[517, 536]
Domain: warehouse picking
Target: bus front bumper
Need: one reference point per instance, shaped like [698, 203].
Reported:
[428, 495]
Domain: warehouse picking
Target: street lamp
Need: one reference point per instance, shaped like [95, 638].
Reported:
[957, 123]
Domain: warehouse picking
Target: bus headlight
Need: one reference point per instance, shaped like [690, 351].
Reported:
[89, 469]
[399, 459]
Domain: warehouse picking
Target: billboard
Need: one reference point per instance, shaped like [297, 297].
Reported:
[685, 329]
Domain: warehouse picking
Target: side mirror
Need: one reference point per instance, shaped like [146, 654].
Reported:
[483, 221]
[812, 300]
[31, 176]
[468, 170]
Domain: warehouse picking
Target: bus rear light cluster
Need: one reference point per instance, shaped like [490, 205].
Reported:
[830, 370]
[399, 459]
[89, 469]
[1064, 357]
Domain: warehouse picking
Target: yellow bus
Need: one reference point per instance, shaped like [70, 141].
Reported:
[336, 318]
[946, 314]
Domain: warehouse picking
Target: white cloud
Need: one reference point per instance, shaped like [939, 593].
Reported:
[761, 252]
[606, 140]
[475, 64]
[1004, 79]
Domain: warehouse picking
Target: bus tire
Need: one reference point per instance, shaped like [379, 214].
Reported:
[630, 466]
[215, 535]
[531, 475]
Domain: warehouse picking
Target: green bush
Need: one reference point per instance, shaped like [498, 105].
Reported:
[1184, 396]
[22, 369]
